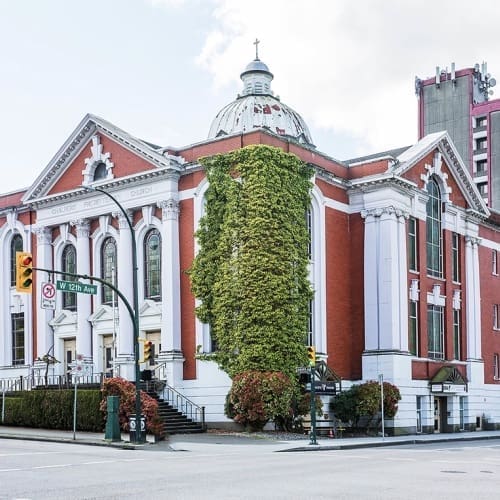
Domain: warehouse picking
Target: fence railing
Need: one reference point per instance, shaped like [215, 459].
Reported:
[29, 382]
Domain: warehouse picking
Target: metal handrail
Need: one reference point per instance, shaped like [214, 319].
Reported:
[178, 401]
[184, 405]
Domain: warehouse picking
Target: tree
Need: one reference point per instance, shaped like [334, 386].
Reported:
[251, 272]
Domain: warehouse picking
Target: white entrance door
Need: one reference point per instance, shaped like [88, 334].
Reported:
[69, 354]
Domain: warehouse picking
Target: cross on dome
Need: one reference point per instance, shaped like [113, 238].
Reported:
[256, 43]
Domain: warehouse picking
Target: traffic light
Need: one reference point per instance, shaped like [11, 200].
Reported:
[148, 351]
[24, 272]
[311, 355]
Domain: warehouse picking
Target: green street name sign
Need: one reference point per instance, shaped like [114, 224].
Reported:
[76, 287]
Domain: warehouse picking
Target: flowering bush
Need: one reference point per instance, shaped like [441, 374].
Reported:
[259, 396]
[126, 391]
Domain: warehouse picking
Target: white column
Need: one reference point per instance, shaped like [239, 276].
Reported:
[125, 336]
[44, 333]
[83, 300]
[473, 298]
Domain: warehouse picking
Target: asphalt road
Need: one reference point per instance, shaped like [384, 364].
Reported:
[42, 470]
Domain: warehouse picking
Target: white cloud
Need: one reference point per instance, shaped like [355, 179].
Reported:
[350, 66]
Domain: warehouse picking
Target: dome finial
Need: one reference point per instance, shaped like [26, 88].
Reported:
[256, 43]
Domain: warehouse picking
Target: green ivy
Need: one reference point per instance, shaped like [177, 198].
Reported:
[251, 272]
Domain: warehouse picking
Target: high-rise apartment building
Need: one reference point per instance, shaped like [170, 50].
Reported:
[459, 102]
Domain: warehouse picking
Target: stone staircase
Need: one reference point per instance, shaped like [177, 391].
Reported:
[174, 421]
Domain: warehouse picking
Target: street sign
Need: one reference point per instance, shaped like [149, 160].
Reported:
[76, 287]
[48, 296]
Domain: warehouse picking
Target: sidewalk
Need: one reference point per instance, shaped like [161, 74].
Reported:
[206, 441]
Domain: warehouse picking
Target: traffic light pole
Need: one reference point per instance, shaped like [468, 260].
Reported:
[313, 408]
[135, 320]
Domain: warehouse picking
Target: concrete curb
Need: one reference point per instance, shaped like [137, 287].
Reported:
[124, 445]
[379, 444]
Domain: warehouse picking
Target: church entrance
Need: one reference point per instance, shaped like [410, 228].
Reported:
[440, 411]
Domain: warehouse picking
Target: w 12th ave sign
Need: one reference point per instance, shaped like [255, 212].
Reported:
[76, 287]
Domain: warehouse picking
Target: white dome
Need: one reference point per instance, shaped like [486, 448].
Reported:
[258, 108]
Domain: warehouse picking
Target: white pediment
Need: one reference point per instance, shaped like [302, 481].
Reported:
[90, 127]
[103, 313]
[446, 150]
[62, 318]
[150, 308]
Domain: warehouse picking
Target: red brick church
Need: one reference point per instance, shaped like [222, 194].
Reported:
[404, 264]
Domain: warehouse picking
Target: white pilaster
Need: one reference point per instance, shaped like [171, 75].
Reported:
[83, 300]
[473, 298]
[386, 307]
[170, 276]
[125, 336]
[44, 259]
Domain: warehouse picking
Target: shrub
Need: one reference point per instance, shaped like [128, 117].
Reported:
[363, 401]
[259, 396]
[126, 391]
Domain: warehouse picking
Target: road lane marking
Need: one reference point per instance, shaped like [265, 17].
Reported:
[52, 466]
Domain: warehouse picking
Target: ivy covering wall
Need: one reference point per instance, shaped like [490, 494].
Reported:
[251, 271]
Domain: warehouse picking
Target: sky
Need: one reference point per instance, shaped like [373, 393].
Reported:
[162, 69]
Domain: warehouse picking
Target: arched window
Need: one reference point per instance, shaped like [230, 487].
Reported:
[108, 269]
[100, 172]
[434, 233]
[16, 245]
[69, 266]
[152, 265]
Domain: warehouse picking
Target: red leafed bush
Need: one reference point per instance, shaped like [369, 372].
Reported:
[259, 396]
[126, 391]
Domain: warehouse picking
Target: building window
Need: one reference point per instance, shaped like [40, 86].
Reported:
[412, 244]
[496, 319]
[310, 324]
[481, 143]
[108, 269]
[69, 266]
[152, 265]
[481, 167]
[480, 121]
[494, 262]
[309, 232]
[17, 321]
[455, 257]
[413, 328]
[434, 234]
[16, 245]
[456, 333]
[483, 189]
[435, 329]
[419, 413]
[100, 171]
[462, 412]
[496, 367]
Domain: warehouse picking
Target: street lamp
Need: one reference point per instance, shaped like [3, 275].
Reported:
[135, 318]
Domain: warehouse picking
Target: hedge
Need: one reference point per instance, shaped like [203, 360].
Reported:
[50, 409]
